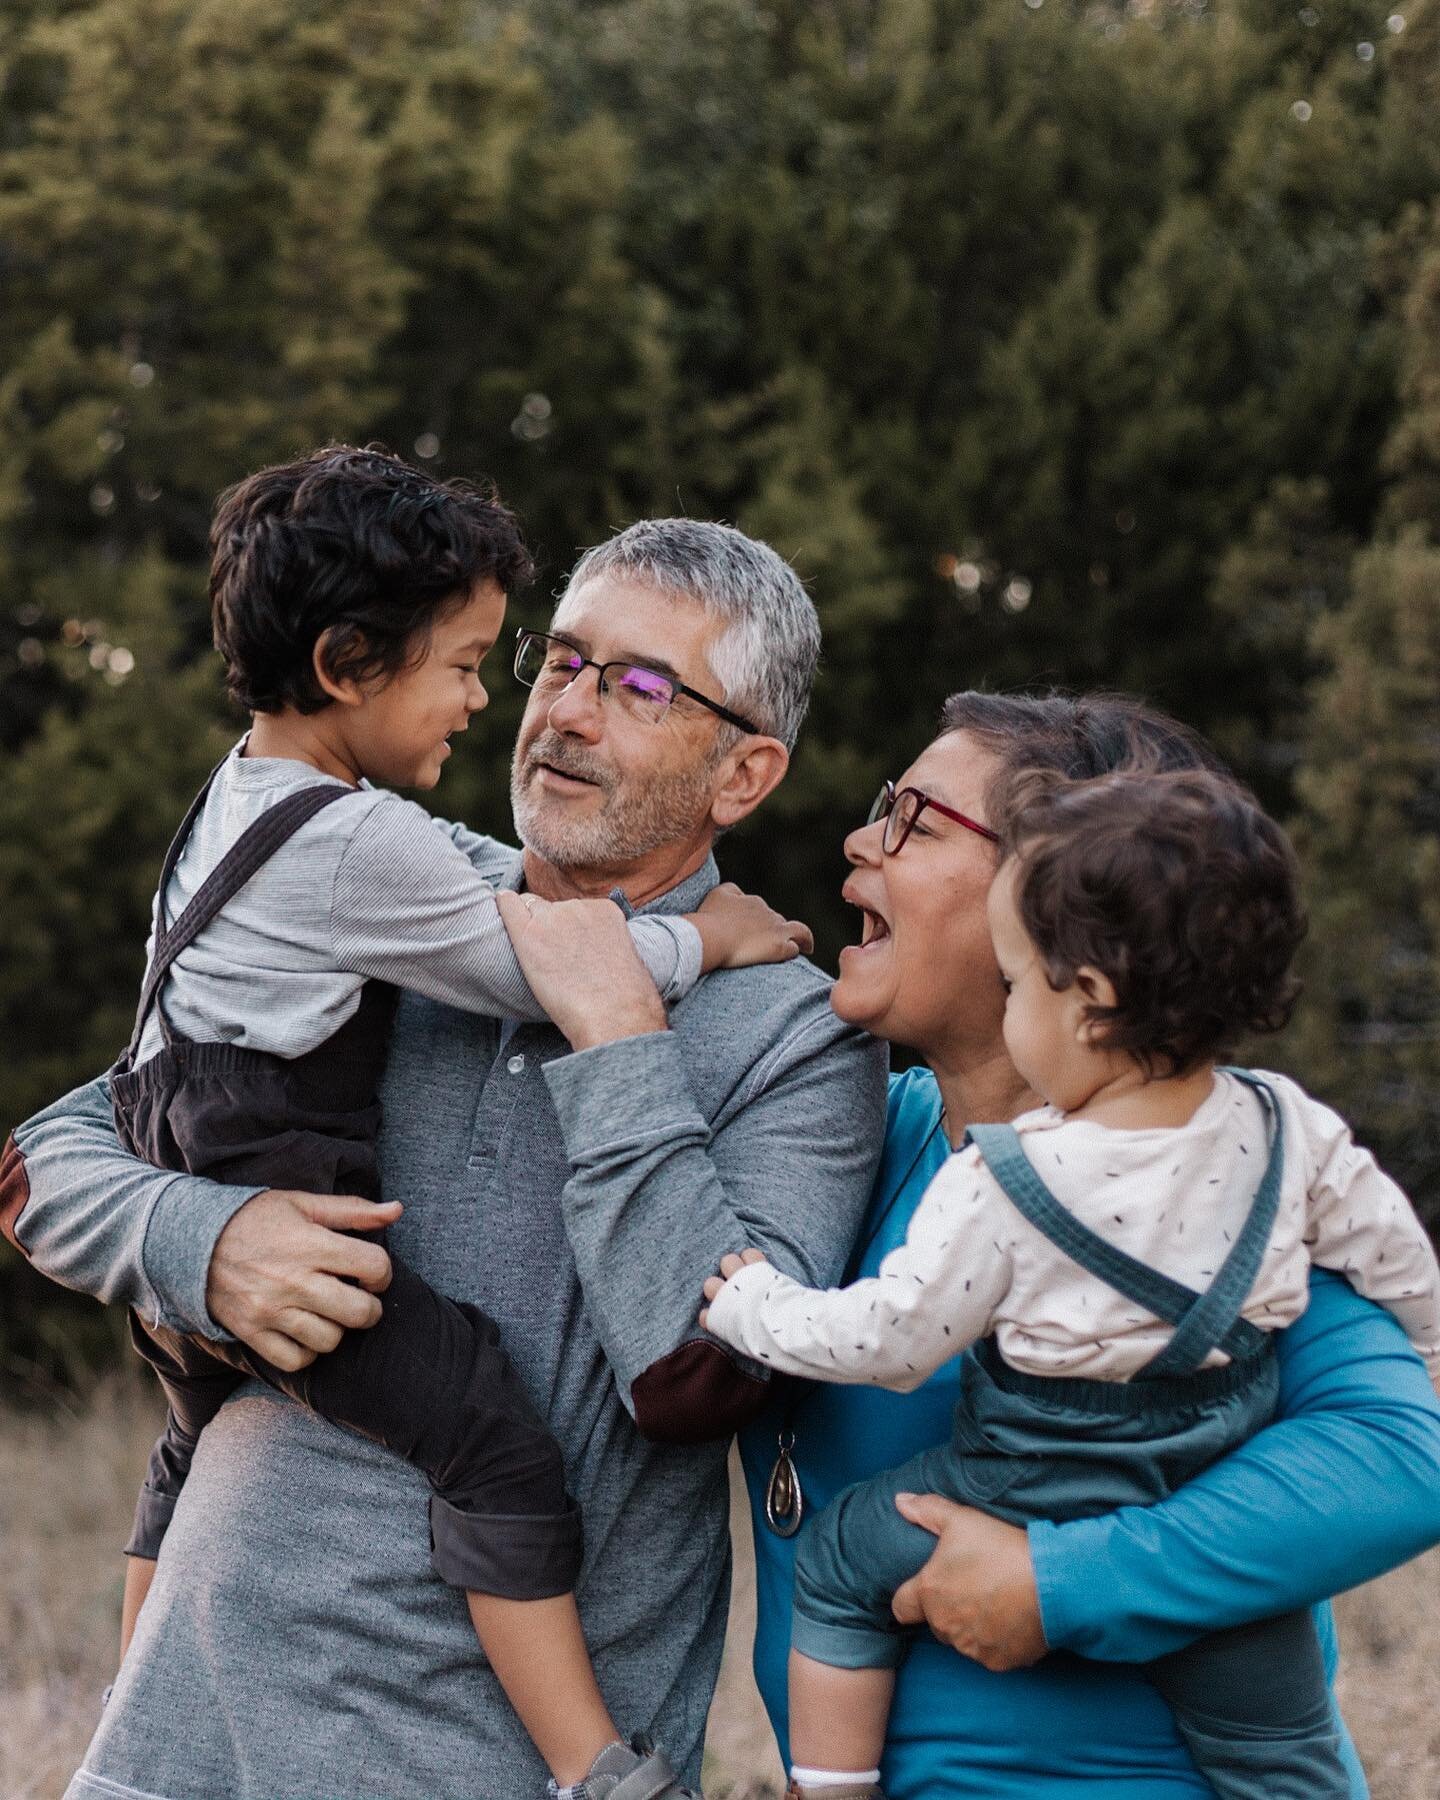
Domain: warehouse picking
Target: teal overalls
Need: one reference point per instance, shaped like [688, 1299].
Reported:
[1251, 1702]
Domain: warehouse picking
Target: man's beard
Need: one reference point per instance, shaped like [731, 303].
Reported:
[635, 818]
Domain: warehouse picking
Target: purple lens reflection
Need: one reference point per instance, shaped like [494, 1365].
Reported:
[645, 684]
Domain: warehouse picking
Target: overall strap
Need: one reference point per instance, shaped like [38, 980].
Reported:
[167, 869]
[245, 857]
[1158, 1293]
[1214, 1318]
[178, 843]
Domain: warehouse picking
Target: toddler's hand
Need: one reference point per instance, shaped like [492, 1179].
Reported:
[738, 929]
[729, 1265]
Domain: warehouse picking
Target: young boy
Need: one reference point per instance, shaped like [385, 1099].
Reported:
[355, 600]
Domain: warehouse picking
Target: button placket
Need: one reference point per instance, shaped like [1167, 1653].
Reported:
[499, 1098]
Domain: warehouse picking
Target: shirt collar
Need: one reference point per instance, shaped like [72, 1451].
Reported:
[684, 897]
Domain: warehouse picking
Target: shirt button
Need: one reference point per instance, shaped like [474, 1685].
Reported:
[516, 1065]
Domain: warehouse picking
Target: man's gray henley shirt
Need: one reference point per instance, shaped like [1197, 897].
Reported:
[296, 1643]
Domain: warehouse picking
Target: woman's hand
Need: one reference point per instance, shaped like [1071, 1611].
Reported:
[581, 964]
[729, 1265]
[738, 929]
[977, 1592]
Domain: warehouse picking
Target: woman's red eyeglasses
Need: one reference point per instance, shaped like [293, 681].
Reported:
[900, 809]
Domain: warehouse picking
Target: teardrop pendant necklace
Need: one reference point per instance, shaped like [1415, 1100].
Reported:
[784, 1496]
[784, 1500]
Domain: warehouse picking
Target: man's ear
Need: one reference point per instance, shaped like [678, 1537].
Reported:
[1095, 989]
[344, 690]
[757, 769]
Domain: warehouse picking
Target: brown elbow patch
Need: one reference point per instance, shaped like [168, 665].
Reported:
[695, 1395]
[14, 1191]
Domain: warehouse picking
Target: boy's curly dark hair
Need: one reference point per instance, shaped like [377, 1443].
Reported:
[1174, 884]
[354, 546]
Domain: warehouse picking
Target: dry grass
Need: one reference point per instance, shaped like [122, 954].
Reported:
[68, 1475]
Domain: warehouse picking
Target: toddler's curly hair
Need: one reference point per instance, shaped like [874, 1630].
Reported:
[1174, 884]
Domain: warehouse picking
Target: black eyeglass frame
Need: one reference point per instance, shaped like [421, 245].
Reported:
[889, 798]
[524, 636]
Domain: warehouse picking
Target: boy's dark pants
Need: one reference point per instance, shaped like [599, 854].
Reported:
[429, 1382]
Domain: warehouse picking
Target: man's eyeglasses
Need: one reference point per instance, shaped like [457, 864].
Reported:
[901, 810]
[550, 664]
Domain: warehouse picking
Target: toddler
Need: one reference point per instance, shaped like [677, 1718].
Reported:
[1114, 1264]
[355, 600]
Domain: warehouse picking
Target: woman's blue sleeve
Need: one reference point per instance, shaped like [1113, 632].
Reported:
[1343, 1486]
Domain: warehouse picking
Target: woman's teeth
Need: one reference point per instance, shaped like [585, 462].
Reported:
[875, 930]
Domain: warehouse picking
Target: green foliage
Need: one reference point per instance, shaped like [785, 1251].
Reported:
[1053, 342]
[1371, 838]
[1370, 786]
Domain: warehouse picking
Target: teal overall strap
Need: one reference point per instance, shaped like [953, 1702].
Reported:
[1168, 1299]
[1218, 1311]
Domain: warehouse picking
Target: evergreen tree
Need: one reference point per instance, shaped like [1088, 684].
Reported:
[229, 233]
[1368, 1036]
[1053, 342]
[1369, 1033]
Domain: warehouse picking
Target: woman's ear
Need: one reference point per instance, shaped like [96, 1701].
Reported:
[344, 690]
[1097, 990]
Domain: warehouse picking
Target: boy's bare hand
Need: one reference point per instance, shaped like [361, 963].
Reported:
[738, 929]
[729, 1265]
[582, 967]
[282, 1275]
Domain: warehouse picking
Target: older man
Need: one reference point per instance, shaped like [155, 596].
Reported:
[296, 1641]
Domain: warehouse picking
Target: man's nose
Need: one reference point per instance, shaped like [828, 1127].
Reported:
[579, 709]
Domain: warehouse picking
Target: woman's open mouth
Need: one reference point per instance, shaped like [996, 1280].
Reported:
[874, 931]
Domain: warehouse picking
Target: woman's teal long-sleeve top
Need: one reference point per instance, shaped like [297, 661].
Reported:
[1343, 1486]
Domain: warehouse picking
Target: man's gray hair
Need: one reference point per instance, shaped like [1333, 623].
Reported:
[766, 656]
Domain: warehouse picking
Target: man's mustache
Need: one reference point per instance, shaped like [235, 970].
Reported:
[550, 748]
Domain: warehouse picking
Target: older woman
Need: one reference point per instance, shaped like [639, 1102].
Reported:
[1342, 1486]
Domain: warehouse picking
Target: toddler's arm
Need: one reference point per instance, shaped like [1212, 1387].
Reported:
[1361, 1225]
[933, 1296]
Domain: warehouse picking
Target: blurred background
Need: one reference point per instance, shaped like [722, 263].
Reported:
[1092, 344]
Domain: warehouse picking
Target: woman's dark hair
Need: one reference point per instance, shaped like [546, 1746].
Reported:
[354, 546]
[1077, 735]
[1173, 883]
